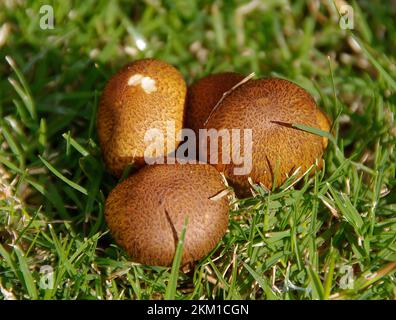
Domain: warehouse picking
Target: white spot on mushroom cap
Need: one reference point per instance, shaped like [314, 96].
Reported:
[135, 80]
[147, 83]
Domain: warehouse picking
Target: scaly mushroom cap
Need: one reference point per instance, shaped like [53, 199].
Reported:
[146, 212]
[143, 95]
[269, 107]
[203, 95]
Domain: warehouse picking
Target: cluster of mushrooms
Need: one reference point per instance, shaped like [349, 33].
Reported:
[146, 212]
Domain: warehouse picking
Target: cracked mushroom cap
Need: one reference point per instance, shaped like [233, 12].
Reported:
[269, 107]
[204, 94]
[146, 212]
[143, 95]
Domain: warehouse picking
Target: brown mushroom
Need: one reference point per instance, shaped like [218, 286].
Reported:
[269, 107]
[143, 95]
[203, 96]
[146, 212]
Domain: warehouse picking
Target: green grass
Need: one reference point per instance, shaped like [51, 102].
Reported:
[304, 240]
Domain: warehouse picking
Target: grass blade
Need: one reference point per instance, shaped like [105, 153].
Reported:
[75, 144]
[316, 284]
[349, 212]
[63, 178]
[170, 293]
[262, 283]
[24, 91]
[329, 277]
[390, 81]
[27, 275]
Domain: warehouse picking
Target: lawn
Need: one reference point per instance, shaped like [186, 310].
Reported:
[330, 236]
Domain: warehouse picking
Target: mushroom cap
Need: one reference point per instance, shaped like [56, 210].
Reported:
[146, 212]
[144, 94]
[204, 94]
[269, 107]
